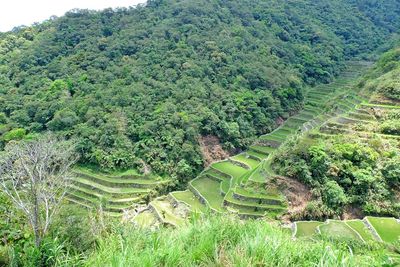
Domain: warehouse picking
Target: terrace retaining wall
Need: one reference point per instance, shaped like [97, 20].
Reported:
[257, 200]
[240, 164]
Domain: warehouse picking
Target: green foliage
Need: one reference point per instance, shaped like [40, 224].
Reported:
[390, 127]
[391, 171]
[383, 79]
[333, 195]
[14, 134]
[58, 85]
[15, 236]
[316, 210]
[343, 171]
[63, 120]
[144, 83]
[390, 88]
[73, 233]
[3, 118]
[73, 227]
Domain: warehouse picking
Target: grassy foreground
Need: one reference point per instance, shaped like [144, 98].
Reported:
[227, 241]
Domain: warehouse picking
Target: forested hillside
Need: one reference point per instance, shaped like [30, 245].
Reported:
[139, 86]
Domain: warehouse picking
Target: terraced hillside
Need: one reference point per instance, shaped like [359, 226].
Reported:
[241, 184]
[365, 230]
[113, 192]
[365, 121]
[354, 152]
[370, 119]
[369, 229]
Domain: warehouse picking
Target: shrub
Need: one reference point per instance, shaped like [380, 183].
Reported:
[315, 210]
[14, 134]
[334, 196]
[390, 89]
[390, 127]
[391, 171]
[63, 120]
[4, 257]
[3, 118]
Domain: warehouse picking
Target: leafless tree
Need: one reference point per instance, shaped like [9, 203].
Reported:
[35, 175]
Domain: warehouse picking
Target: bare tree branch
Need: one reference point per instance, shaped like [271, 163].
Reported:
[35, 175]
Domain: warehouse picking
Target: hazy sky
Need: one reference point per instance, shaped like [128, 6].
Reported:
[25, 12]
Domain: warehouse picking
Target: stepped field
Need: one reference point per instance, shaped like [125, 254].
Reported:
[167, 212]
[113, 192]
[188, 198]
[368, 229]
[240, 184]
[306, 228]
[338, 229]
[356, 115]
[388, 229]
[362, 229]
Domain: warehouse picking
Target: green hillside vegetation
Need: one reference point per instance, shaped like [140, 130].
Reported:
[250, 197]
[244, 184]
[353, 159]
[140, 85]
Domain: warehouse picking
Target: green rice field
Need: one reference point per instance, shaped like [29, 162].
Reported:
[306, 228]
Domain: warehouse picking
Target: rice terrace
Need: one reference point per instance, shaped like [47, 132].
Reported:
[201, 133]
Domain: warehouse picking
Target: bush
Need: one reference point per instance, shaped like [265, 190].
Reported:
[74, 227]
[3, 118]
[391, 171]
[334, 196]
[341, 171]
[390, 89]
[4, 257]
[63, 120]
[15, 134]
[315, 210]
[390, 127]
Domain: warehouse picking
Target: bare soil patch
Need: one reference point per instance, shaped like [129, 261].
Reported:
[297, 194]
[352, 212]
[211, 149]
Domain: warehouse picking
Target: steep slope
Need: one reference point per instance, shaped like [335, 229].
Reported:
[352, 162]
[137, 87]
[245, 184]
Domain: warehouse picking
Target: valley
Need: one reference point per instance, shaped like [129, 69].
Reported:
[244, 183]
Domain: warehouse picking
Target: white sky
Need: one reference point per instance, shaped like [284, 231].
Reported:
[25, 12]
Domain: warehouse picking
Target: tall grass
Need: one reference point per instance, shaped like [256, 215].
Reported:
[226, 241]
